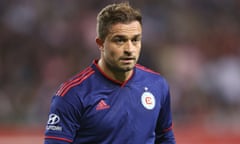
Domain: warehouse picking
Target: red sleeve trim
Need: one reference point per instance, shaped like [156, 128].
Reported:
[168, 129]
[58, 138]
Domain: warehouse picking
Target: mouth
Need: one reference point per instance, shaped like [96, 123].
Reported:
[127, 59]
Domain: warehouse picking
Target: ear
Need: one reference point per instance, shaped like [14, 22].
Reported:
[99, 43]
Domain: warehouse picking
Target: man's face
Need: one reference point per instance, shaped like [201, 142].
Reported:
[121, 48]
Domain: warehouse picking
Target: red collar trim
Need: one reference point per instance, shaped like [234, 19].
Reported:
[95, 62]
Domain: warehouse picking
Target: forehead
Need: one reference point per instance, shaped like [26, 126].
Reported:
[129, 29]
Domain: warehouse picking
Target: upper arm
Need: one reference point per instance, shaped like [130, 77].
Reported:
[164, 132]
[63, 122]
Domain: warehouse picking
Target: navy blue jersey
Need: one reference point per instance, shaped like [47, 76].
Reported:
[92, 108]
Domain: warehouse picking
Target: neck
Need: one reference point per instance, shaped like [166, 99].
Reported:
[117, 75]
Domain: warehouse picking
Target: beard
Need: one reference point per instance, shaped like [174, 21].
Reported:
[121, 66]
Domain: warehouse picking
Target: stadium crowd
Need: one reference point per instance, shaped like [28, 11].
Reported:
[194, 44]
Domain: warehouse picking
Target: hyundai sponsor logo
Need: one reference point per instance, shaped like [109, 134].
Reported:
[53, 119]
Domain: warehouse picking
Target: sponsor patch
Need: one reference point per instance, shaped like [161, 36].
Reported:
[53, 119]
[54, 128]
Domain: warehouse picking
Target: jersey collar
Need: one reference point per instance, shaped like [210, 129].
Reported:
[97, 68]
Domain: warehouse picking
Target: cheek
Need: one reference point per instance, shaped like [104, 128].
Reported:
[138, 50]
[112, 51]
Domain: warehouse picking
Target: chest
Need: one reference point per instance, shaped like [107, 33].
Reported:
[133, 108]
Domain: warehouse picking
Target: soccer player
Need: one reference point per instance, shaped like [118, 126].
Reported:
[114, 100]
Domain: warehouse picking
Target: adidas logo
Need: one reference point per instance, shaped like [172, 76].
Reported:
[102, 105]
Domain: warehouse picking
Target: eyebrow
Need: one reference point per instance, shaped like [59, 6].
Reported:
[123, 36]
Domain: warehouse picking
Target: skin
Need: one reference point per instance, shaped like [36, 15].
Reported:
[120, 50]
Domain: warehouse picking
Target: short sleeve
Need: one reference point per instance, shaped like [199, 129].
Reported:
[164, 132]
[63, 121]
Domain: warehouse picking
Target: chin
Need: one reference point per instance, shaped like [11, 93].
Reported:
[126, 69]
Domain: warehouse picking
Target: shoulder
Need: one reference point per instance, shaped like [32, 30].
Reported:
[75, 81]
[150, 75]
[153, 80]
[146, 70]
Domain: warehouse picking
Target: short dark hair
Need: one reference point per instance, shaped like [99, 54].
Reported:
[116, 13]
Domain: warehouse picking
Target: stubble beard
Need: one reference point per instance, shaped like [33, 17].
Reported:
[121, 67]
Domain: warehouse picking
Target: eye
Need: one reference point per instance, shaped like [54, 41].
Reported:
[119, 40]
[136, 40]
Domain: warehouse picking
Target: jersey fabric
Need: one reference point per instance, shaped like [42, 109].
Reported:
[92, 108]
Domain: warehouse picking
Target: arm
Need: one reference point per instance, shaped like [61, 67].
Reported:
[62, 123]
[164, 132]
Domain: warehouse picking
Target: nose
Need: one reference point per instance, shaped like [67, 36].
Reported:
[129, 47]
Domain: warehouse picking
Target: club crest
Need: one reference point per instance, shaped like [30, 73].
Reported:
[148, 100]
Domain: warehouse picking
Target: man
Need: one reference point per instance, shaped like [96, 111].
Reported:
[114, 100]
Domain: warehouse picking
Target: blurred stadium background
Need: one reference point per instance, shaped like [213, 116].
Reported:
[195, 44]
